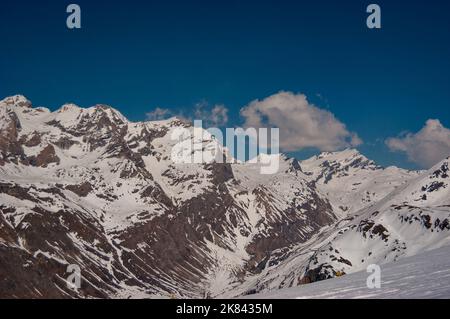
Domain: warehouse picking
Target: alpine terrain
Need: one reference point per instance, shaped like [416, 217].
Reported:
[87, 187]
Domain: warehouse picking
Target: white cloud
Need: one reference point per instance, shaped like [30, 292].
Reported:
[301, 124]
[159, 114]
[426, 147]
[215, 116]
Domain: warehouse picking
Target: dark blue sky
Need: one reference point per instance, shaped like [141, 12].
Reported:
[138, 55]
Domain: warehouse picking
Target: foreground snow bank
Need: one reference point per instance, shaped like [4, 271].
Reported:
[426, 275]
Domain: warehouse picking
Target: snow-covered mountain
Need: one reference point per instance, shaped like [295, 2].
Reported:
[88, 187]
[351, 181]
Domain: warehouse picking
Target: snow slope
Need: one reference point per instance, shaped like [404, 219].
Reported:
[426, 275]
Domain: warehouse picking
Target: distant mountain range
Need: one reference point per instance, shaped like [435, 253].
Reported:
[87, 187]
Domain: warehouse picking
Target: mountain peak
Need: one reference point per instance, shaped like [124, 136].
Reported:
[170, 122]
[348, 152]
[68, 107]
[16, 100]
[346, 155]
[113, 114]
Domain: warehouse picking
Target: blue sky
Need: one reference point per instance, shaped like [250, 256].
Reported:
[139, 55]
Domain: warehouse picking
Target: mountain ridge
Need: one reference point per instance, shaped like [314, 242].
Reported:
[88, 187]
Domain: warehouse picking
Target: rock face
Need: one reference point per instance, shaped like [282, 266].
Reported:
[86, 187]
